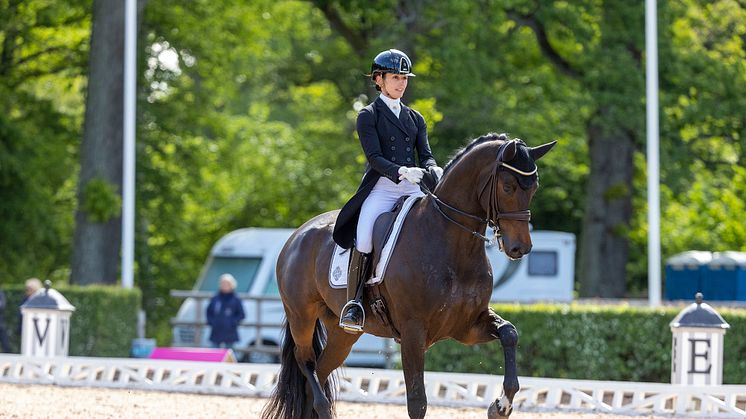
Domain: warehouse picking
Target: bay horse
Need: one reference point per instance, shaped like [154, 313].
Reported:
[438, 282]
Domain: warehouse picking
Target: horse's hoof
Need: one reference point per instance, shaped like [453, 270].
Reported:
[496, 411]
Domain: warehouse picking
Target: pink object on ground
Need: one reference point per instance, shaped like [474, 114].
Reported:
[194, 354]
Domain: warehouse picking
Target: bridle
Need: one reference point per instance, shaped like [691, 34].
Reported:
[493, 210]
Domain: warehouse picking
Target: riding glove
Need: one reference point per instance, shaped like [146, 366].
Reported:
[411, 174]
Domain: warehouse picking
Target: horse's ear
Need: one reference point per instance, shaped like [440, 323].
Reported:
[537, 152]
[510, 149]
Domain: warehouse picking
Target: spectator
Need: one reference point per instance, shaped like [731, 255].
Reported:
[4, 344]
[32, 285]
[224, 313]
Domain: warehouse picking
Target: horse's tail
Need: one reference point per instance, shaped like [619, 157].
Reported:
[288, 399]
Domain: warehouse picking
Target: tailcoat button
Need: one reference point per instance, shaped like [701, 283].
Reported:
[393, 148]
[406, 139]
[409, 149]
[394, 138]
[408, 159]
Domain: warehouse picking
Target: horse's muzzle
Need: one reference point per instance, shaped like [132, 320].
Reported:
[517, 251]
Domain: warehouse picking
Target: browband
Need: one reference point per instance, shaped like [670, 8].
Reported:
[520, 172]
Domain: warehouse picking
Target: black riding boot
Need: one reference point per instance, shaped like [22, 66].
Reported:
[352, 317]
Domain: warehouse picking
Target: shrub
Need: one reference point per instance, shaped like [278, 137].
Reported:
[590, 342]
[103, 324]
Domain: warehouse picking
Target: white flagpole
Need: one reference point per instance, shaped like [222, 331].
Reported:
[128, 178]
[653, 159]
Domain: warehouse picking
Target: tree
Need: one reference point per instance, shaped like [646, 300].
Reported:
[42, 61]
[97, 220]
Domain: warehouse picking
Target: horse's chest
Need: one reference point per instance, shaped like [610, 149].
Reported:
[465, 289]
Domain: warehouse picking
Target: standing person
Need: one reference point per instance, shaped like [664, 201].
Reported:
[32, 285]
[4, 343]
[390, 134]
[224, 313]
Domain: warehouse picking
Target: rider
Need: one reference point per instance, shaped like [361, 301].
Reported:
[389, 133]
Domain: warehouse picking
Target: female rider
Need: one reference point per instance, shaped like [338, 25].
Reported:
[390, 134]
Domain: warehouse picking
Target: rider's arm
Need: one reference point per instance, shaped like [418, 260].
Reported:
[366, 130]
[423, 146]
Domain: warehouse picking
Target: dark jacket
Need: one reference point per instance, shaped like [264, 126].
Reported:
[20, 314]
[388, 143]
[3, 304]
[223, 314]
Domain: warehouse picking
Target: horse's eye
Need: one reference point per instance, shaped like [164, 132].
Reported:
[508, 188]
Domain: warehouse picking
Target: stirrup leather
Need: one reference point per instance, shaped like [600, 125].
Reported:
[348, 327]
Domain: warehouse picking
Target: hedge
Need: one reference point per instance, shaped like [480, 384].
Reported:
[617, 343]
[103, 324]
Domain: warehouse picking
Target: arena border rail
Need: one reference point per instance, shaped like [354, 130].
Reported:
[381, 386]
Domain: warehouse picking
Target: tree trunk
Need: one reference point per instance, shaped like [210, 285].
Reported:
[97, 242]
[604, 245]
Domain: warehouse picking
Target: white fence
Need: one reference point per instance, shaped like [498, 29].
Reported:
[382, 386]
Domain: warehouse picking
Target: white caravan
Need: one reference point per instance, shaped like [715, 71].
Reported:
[545, 274]
[250, 255]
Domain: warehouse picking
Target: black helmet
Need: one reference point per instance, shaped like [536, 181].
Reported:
[391, 61]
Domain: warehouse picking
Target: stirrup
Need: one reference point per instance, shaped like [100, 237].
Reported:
[350, 328]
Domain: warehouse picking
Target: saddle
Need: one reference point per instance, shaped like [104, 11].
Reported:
[382, 229]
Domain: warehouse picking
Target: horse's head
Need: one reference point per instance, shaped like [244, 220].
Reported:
[506, 190]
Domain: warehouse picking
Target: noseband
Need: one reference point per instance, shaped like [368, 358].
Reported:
[493, 210]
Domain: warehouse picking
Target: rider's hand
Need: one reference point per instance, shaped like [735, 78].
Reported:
[411, 174]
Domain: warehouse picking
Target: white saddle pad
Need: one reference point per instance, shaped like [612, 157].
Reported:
[341, 257]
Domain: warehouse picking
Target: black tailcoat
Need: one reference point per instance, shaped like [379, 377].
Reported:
[389, 143]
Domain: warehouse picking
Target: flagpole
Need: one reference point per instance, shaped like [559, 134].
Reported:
[653, 158]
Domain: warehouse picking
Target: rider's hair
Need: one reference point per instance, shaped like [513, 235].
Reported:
[375, 73]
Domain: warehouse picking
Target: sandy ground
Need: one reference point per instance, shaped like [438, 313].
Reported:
[37, 401]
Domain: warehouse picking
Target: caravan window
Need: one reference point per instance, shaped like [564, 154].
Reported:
[243, 269]
[272, 285]
[542, 263]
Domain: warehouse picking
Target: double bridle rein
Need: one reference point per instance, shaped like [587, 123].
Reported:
[493, 211]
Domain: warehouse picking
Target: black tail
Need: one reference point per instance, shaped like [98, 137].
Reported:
[288, 400]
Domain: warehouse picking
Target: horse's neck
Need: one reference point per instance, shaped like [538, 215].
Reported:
[459, 189]
[460, 186]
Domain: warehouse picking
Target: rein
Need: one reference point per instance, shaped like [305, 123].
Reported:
[493, 211]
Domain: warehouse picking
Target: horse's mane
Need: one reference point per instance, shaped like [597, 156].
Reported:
[475, 142]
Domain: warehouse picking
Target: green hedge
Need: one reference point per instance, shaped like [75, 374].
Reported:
[590, 342]
[103, 324]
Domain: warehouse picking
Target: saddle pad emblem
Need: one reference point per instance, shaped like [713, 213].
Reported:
[337, 274]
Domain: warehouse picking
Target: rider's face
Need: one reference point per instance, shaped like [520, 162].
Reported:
[392, 85]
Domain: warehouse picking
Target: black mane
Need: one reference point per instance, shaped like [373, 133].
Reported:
[483, 139]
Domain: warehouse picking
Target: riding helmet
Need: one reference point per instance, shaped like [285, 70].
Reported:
[391, 61]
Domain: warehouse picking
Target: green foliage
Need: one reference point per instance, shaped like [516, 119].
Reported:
[246, 117]
[101, 201]
[103, 324]
[42, 62]
[590, 342]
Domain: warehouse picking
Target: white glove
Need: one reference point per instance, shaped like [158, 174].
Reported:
[438, 171]
[412, 174]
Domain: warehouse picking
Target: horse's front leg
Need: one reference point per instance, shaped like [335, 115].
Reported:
[488, 327]
[413, 338]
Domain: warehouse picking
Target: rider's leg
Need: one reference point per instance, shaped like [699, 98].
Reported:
[381, 199]
[353, 314]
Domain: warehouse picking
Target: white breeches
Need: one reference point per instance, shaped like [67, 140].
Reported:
[381, 199]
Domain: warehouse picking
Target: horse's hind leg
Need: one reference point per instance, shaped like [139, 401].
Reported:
[303, 327]
[488, 327]
[338, 345]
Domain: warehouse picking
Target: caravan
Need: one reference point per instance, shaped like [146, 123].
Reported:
[250, 255]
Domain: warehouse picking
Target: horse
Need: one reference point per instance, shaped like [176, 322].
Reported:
[440, 258]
